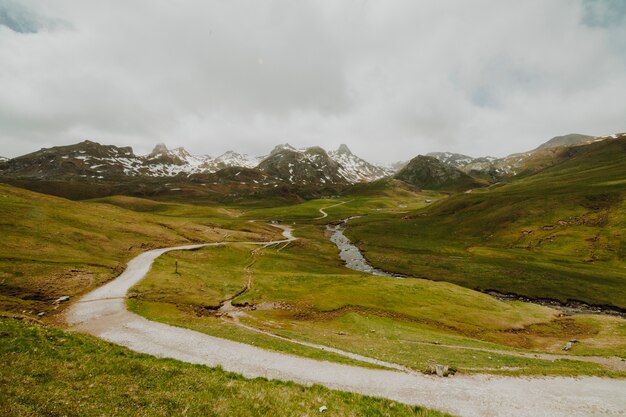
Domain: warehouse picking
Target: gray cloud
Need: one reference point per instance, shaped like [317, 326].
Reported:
[18, 18]
[391, 79]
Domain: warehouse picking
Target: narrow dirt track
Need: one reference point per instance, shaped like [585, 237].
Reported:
[323, 212]
[103, 313]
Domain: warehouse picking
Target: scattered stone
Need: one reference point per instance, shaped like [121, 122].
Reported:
[62, 299]
[441, 370]
[568, 346]
[323, 408]
[41, 314]
[430, 368]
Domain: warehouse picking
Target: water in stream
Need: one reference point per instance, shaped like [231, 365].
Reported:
[354, 260]
[351, 255]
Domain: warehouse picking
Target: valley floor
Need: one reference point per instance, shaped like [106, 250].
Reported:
[293, 311]
[103, 313]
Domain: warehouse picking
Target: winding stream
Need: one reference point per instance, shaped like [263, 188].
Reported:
[355, 260]
[351, 254]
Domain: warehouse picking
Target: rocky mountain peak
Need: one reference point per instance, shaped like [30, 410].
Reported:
[232, 158]
[160, 148]
[343, 150]
[281, 148]
[430, 173]
[565, 140]
[181, 152]
[316, 150]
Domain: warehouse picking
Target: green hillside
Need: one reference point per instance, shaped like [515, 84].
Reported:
[53, 247]
[430, 173]
[556, 234]
[48, 372]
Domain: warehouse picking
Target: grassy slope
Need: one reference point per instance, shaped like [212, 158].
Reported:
[403, 321]
[556, 234]
[53, 247]
[382, 196]
[46, 371]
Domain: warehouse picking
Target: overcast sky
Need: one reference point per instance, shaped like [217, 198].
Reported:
[390, 78]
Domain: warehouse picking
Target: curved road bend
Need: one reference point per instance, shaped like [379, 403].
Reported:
[103, 313]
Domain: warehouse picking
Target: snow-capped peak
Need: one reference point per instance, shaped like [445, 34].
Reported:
[232, 158]
[159, 149]
[355, 169]
[282, 147]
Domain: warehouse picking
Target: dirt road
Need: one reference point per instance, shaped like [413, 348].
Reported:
[103, 313]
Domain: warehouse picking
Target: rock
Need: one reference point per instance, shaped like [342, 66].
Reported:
[567, 346]
[62, 299]
[441, 370]
[323, 408]
[41, 314]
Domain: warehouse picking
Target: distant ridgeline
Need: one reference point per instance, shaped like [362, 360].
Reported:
[89, 169]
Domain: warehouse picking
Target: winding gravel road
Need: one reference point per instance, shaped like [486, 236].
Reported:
[103, 313]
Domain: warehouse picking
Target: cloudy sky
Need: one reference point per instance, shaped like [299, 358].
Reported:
[389, 78]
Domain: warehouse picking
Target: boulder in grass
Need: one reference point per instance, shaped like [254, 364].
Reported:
[441, 370]
[62, 299]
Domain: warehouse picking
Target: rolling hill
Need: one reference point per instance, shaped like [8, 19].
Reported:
[554, 234]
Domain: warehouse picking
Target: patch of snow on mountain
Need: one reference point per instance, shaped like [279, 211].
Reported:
[355, 169]
[234, 159]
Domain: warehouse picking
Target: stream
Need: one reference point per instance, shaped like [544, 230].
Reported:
[351, 254]
[354, 259]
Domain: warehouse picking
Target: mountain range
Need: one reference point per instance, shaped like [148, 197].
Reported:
[89, 169]
[92, 160]
[497, 169]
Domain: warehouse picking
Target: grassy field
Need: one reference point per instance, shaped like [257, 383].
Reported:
[53, 247]
[384, 197]
[304, 293]
[557, 234]
[48, 372]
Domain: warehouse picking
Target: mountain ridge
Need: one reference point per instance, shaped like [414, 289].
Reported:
[92, 161]
[430, 173]
[496, 169]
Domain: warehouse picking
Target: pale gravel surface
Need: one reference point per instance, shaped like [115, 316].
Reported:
[103, 313]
